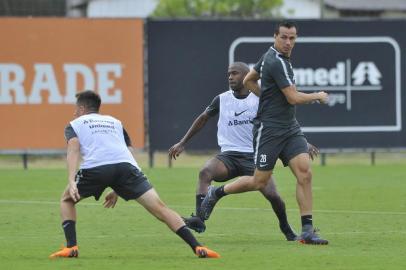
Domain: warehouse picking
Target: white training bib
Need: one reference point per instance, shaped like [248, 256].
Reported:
[235, 122]
[101, 140]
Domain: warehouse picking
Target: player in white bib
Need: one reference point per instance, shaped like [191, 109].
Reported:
[236, 109]
[106, 151]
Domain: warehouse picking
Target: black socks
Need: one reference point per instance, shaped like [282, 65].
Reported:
[307, 220]
[70, 232]
[188, 237]
[219, 192]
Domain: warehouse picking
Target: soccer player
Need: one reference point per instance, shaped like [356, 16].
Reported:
[277, 133]
[107, 157]
[236, 109]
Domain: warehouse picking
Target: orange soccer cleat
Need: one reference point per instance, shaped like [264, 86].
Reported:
[65, 252]
[204, 252]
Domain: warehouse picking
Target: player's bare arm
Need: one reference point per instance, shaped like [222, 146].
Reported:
[251, 82]
[72, 158]
[197, 125]
[295, 97]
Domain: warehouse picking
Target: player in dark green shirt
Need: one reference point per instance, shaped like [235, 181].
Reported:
[277, 133]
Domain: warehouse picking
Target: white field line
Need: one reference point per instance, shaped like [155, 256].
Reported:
[154, 235]
[122, 204]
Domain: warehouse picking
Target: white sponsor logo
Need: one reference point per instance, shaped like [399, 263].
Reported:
[101, 78]
[365, 77]
[367, 71]
[364, 73]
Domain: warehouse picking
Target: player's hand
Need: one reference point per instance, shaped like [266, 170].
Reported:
[110, 200]
[73, 191]
[313, 151]
[323, 97]
[175, 150]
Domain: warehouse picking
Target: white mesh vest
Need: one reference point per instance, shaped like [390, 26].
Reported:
[101, 140]
[235, 122]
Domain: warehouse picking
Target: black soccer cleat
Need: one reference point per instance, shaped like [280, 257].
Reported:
[288, 232]
[208, 203]
[195, 223]
[309, 236]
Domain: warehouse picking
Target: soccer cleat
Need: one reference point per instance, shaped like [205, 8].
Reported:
[65, 252]
[204, 252]
[288, 232]
[208, 203]
[195, 223]
[310, 237]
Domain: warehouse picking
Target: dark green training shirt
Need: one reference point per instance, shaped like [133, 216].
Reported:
[276, 73]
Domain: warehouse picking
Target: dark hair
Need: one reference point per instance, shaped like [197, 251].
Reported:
[89, 99]
[287, 24]
[243, 67]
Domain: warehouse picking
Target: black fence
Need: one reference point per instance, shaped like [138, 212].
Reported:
[359, 63]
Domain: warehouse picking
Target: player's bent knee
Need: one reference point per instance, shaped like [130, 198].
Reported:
[305, 177]
[65, 198]
[261, 180]
[260, 183]
[205, 175]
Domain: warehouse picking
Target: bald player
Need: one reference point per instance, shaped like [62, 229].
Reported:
[236, 108]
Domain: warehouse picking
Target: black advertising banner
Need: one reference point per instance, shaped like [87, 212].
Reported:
[358, 63]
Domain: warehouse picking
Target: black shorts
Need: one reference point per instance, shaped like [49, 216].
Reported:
[237, 163]
[124, 178]
[268, 148]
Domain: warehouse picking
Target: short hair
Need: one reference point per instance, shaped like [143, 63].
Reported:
[89, 99]
[287, 24]
[243, 67]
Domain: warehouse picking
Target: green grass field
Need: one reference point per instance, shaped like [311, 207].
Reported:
[361, 209]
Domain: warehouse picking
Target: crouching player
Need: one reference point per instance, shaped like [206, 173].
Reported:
[108, 162]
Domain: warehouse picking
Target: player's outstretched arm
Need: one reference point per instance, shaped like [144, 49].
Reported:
[197, 125]
[295, 97]
[251, 82]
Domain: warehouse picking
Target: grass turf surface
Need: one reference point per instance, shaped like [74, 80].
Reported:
[360, 209]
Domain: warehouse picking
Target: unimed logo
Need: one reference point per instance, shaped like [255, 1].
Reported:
[16, 89]
[364, 73]
[365, 77]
